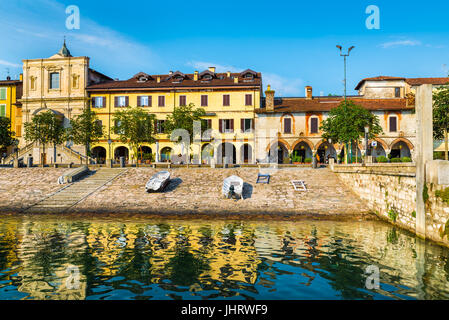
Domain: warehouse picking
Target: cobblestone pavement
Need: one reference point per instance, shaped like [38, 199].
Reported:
[198, 191]
[23, 187]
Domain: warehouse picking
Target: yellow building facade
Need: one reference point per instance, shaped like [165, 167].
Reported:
[10, 107]
[229, 99]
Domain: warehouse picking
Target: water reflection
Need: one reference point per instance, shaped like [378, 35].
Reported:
[147, 259]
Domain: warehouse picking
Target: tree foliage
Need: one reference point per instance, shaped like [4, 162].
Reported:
[183, 117]
[440, 112]
[85, 129]
[346, 123]
[6, 136]
[134, 126]
[45, 128]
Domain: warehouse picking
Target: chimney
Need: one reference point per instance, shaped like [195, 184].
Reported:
[228, 74]
[195, 76]
[212, 69]
[269, 99]
[236, 79]
[158, 79]
[8, 78]
[21, 77]
[309, 93]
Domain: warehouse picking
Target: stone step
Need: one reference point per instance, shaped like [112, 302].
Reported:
[72, 194]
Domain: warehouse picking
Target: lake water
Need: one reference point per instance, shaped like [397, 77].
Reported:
[91, 258]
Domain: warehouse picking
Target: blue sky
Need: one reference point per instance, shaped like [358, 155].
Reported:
[291, 42]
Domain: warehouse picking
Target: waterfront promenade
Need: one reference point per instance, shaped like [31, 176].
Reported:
[192, 191]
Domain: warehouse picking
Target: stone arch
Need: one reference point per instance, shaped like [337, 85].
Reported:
[121, 151]
[246, 153]
[308, 142]
[401, 148]
[382, 142]
[278, 151]
[279, 141]
[207, 153]
[228, 151]
[99, 153]
[406, 141]
[325, 151]
[166, 154]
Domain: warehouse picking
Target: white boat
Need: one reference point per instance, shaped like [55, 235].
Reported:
[232, 187]
[158, 181]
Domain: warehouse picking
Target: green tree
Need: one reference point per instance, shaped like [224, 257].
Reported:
[45, 128]
[441, 116]
[6, 136]
[134, 127]
[85, 129]
[346, 124]
[183, 117]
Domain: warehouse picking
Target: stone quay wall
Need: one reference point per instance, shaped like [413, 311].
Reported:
[389, 190]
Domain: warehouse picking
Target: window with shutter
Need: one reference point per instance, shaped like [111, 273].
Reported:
[161, 101]
[220, 124]
[226, 100]
[121, 101]
[2, 93]
[2, 110]
[182, 100]
[139, 101]
[393, 124]
[287, 125]
[204, 101]
[150, 101]
[314, 125]
[98, 102]
[248, 100]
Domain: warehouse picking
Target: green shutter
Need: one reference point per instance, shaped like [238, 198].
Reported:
[2, 110]
[2, 93]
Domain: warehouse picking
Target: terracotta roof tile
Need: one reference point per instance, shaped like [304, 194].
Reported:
[168, 82]
[434, 81]
[379, 78]
[322, 104]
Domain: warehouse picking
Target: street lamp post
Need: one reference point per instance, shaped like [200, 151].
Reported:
[344, 58]
[367, 150]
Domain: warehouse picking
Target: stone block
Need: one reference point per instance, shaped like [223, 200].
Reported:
[437, 172]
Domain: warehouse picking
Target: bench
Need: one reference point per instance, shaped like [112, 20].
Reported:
[263, 178]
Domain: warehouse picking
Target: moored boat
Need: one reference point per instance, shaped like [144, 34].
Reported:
[158, 181]
[232, 187]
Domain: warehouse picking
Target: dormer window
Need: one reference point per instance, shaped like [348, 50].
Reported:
[142, 77]
[248, 75]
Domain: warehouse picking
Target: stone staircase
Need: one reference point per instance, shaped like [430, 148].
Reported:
[70, 195]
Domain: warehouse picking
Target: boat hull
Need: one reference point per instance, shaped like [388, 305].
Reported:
[158, 182]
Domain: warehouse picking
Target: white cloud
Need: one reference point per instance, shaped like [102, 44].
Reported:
[9, 64]
[24, 28]
[201, 65]
[401, 43]
[284, 86]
